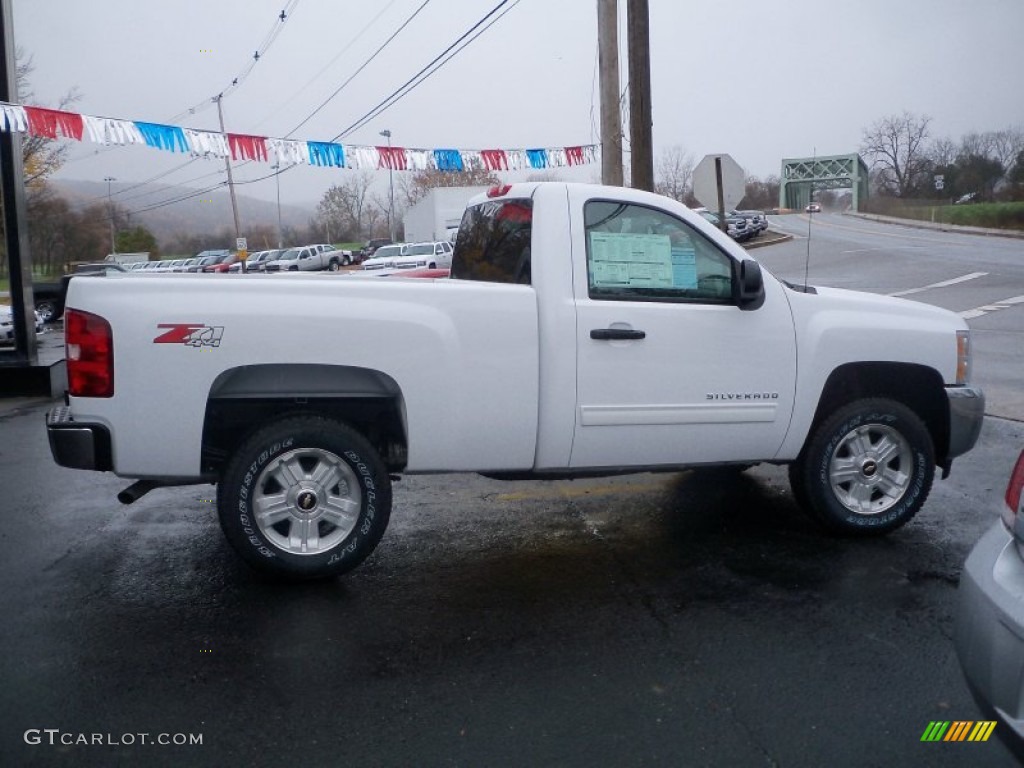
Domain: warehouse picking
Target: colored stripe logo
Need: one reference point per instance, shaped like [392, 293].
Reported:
[958, 730]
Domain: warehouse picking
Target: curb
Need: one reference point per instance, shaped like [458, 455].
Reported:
[938, 227]
[779, 237]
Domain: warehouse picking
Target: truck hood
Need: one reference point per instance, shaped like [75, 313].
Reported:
[836, 326]
[882, 306]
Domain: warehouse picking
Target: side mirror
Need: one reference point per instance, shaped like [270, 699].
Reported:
[750, 286]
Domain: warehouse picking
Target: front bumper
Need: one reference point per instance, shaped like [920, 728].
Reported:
[966, 414]
[78, 446]
[989, 634]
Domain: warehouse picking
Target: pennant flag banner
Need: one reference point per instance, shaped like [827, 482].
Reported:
[55, 124]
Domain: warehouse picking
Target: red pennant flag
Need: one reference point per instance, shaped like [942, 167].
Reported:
[574, 155]
[247, 147]
[392, 157]
[494, 159]
[51, 122]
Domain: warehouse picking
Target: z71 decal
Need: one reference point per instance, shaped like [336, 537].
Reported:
[190, 334]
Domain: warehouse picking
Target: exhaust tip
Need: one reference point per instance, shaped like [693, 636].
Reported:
[135, 491]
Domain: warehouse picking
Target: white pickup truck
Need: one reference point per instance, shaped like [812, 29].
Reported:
[584, 330]
[309, 258]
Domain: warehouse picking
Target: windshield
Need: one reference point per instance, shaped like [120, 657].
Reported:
[291, 254]
[420, 250]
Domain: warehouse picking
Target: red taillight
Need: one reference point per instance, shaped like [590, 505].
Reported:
[89, 348]
[499, 191]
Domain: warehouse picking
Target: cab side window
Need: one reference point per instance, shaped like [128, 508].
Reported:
[493, 244]
[635, 253]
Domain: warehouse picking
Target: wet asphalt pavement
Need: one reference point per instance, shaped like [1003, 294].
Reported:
[681, 619]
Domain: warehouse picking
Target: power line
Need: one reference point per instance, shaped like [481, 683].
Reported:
[342, 52]
[363, 66]
[189, 196]
[237, 81]
[185, 182]
[261, 51]
[151, 179]
[396, 95]
[412, 83]
[164, 203]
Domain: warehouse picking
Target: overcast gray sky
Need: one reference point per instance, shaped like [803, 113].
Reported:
[759, 80]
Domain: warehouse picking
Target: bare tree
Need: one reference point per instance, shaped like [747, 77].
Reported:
[897, 148]
[760, 194]
[675, 173]
[377, 215]
[1006, 145]
[976, 144]
[41, 156]
[344, 206]
[943, 152]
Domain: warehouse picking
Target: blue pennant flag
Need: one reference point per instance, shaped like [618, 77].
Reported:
[169, 137]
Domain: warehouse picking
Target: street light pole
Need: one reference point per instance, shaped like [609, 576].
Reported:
[110, 214]
[277, 178]
[391, 188]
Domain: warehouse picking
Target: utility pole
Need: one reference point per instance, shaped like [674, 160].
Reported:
[231, 180]
[391, 187]
[611, 115]
[110, 214]
[639, 54]
[277, 177]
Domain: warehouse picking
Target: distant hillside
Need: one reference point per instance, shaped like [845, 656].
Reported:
[208, 213]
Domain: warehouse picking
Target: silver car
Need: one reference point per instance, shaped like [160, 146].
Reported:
[989, 635]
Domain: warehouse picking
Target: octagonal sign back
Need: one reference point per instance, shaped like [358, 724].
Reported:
[705, 187]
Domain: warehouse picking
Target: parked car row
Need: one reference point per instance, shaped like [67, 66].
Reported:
[300, 259]
[257, 262]
[206, 261]
[7, 323]
[429, 255]
[740, 226]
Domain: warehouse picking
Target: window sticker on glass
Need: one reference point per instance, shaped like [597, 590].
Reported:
[684, 266]
[636, 261]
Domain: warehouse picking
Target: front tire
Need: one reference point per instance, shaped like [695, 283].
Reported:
[305, 498]
[867, 469]
[333, 265]
[47, 309]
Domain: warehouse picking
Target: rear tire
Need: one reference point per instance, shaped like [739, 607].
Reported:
[867, 469]
[304, 498]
